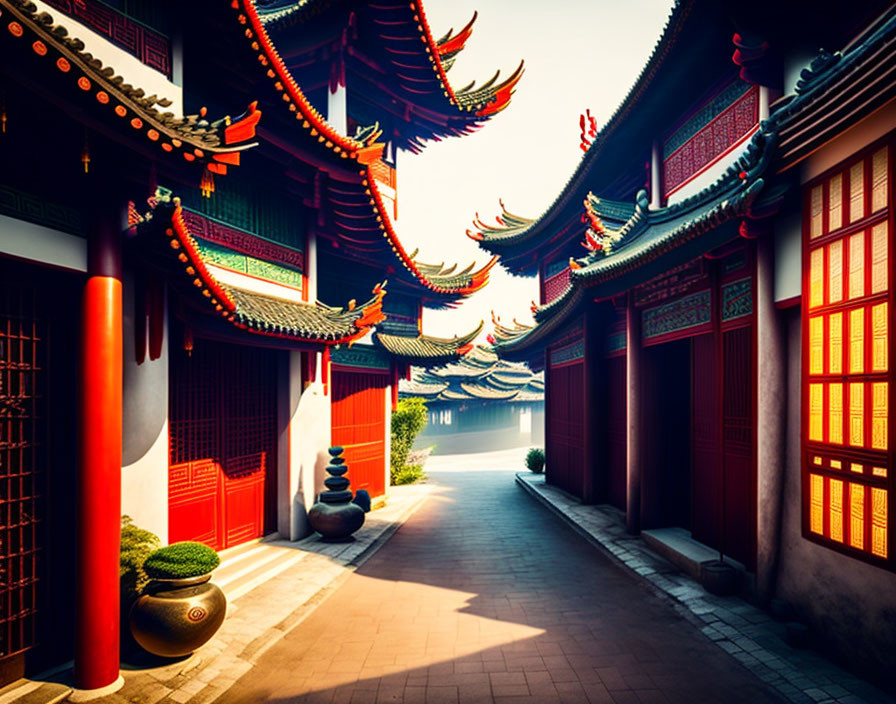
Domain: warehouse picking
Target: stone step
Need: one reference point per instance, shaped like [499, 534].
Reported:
[30, 692]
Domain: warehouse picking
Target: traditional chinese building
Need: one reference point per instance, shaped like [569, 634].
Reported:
[479, 403]
[717, 355]
[200, 304]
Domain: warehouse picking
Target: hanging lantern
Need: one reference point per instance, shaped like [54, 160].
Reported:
[207, 184]
[85, 154]
[188, 341]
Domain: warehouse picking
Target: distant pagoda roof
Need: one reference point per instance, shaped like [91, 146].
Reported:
[167, 241]
[403, 65]
[424, 350]
[36, 44]
[360, 219]
[479, 375]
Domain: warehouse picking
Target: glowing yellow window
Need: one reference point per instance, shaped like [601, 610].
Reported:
[856, 340]
[816, 345]
[857, 192]
[879, 258]
[835, 343]
[857, 265]
[816, 503]
[835, 414]
[816, 278]
[879, 180]
[857, 414]
[879, 522]
[879, 336]
[835, 510]
[816, 460]
[857, 516]
[835, 271]
[817, 199]
[879, 471]
[853, 467]
[836, 464]
[835, 202]
[816, 408]
[879, 415]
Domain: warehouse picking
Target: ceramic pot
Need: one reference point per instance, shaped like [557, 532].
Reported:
[336, 521]
[174, 617]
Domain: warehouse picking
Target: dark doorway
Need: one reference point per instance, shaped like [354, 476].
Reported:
[666, 497]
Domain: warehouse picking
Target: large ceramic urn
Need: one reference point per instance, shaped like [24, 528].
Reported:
[334, 515]
[174, 617]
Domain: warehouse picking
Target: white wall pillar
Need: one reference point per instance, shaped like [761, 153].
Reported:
[764, 100]
[771, 409]
[303, 443]
[336, 110]
[311, 266]
[656, 181]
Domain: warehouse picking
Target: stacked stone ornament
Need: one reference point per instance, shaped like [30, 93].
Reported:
[334, 515]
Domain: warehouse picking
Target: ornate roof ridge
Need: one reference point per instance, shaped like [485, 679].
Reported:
[426, 349]
[217, 144]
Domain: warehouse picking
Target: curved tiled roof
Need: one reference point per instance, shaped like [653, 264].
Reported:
[164, 231]
[652, 236]
[424, 350]
[216, 143]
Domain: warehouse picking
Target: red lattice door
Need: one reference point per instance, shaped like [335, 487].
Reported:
[22, 351]
[359, 425]
[223, 430]
[617, 427]
[565, 437]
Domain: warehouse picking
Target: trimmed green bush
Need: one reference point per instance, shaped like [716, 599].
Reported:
[136, 545]
[407, 422]
[181, 560]
[535, 460]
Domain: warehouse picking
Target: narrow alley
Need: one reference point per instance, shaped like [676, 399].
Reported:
[482, 596]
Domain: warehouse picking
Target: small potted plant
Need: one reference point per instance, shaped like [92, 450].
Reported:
[180, 609]
[535, 460]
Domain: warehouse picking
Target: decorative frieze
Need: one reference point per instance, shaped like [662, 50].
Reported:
[682, 314]
[737, 299]
[359, 356]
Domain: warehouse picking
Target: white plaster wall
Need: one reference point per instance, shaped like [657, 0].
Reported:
[788, 256]
[124, 64]
[144, 472]
[853, 140]
[850, 605]
[309, 439]
[41, 244]
[712, 174]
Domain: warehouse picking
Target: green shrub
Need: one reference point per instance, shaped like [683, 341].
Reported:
[535, 460]
[181, 560]
[136, 545]
[407, 422]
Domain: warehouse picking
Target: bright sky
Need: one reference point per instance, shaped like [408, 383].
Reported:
[579, 54]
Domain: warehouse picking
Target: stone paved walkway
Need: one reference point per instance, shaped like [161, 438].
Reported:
[482, 596]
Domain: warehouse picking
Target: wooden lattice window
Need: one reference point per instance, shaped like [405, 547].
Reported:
[847, 457]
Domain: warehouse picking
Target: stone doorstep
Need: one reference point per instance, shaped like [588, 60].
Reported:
[31, 692]
[687, 554]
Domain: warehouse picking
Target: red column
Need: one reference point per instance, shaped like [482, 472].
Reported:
[633, 412]
[99, 486]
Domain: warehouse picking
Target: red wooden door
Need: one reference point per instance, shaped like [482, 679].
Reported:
[617, 437]
[737, 444]
[705, 485]
[565, 454]
[359, 425]
[222, 427]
